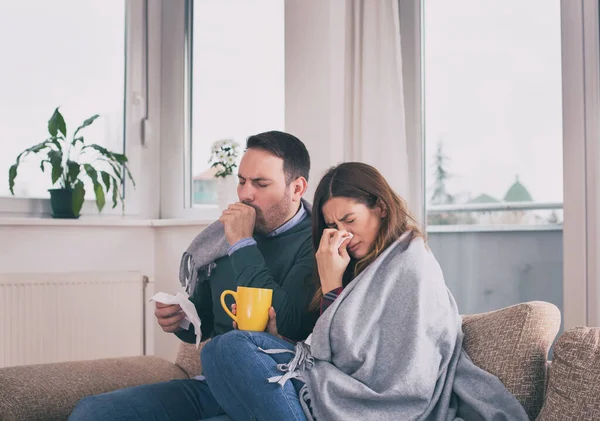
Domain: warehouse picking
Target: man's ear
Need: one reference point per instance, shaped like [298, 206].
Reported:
[299, 187]
[381, 208]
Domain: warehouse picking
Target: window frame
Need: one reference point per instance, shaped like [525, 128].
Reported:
[176, 119]
[135, 92]
[580, 29]
[176, 128]
[581, 158]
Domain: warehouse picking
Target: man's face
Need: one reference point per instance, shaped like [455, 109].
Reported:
[262, 186]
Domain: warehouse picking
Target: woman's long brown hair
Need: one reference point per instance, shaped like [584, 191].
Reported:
[364, 184]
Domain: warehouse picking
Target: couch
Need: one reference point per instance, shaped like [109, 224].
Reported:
[512, 343]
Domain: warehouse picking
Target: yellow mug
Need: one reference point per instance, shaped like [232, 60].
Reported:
[252, 307]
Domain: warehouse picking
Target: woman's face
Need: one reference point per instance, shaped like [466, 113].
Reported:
[343, 213]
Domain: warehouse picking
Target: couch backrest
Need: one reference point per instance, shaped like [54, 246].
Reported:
[513, 344]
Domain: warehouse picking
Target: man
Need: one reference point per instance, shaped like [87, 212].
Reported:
[263, 241]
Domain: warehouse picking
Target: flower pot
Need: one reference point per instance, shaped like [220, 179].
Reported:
[61, 202]
[226, 191]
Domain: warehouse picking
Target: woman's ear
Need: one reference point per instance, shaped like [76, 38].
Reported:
[381, 208]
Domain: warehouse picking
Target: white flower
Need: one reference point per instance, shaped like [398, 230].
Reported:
[225, 152]
[218, 145]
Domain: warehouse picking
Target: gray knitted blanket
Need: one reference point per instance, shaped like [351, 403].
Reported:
[390, 348]
[208, 246]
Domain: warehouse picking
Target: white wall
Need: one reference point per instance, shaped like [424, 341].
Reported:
[77, 246]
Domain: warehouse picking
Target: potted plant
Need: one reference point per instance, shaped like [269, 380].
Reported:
[223, 157]
[69, 162]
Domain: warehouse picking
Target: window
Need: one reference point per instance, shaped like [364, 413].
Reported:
[67, 53]
[493, 125]
[237, 86]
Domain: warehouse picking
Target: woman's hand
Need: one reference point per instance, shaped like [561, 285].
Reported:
[332, 258]
[271, 324]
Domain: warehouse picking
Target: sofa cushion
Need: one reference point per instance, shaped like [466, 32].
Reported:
[188, 358]
[513, 343]
[46, 392]
[574, 379]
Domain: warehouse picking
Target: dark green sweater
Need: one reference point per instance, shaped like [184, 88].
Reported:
[284, 263]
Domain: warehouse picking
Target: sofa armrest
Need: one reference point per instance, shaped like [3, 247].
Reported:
[51, 391]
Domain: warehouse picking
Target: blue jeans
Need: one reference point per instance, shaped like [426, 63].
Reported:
[177, 400]
[237, 372]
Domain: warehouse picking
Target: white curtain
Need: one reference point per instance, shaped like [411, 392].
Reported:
[375, 129]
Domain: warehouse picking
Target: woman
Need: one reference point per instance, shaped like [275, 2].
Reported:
[388, 343]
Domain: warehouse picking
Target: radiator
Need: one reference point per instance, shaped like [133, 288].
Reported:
[57, 317]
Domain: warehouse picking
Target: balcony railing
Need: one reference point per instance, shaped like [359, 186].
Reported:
[494, 207]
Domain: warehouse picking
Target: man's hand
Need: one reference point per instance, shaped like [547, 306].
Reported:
[238, 220]
[271, 325]
[169, 316]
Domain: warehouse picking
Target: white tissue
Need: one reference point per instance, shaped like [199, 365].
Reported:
[344, 238]
[191, 315]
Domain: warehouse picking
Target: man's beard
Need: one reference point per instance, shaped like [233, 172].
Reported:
[273, 217]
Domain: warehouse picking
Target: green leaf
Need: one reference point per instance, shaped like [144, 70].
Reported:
[42, 165]
[34, 149]
[106, 179]
[56, 124]
[78, 197]
[118, 173]
[113, 156]
[56, 143]
[99, 148]
[129, 175]
[56, 162]
[115, 192]
[12, 174]
[73, 170]
[113, 159]
[93, 174]
[84, 125]
[100, 199]
[12, 171]
[121, 159]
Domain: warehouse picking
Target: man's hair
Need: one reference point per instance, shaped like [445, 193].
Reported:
[296, 161]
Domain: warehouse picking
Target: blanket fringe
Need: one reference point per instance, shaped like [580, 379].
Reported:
[302, 361]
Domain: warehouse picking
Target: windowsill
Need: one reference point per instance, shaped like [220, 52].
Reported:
[92, 221]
